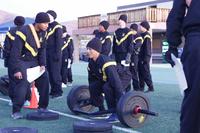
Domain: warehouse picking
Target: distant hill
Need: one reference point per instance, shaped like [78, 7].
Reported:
[6, 17]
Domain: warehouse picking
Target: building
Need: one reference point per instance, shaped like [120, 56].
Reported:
[156, 12]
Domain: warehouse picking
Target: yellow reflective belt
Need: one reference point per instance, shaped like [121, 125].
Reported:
[147, 36]
[23, 37]
[110, 63]
[52, 31]
[138, 38]
[107, 37]
[37, 41]
[66, 44]
[124, 38]
[10, 36]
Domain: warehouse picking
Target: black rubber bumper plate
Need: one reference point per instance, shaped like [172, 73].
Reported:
[42, 116]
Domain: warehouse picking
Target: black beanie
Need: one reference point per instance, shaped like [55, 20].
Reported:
[134, 27]
[42, 17]
[95, 44]
[145, 24]
[64, 29]
[52, 13]
[123, 17]
[19, 21]
[105, 24]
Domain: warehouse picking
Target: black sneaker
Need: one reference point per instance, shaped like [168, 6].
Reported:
[17, 115]
[113, 118]
[56, 96]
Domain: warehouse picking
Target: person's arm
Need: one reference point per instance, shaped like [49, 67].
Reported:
[107, 45]
[175, 22]
[174, 29]
[42, 51]
[16, 52]
[59, 43]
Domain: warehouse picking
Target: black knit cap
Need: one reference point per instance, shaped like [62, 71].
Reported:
[19, 20]
[52, 13]
[145, 24]
[95, 44]
[64, 29]
[134, 27]
[42, 17]
[105, 24]
[123, 17]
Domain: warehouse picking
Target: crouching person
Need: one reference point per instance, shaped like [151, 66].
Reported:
[28, 52]
[103, 78]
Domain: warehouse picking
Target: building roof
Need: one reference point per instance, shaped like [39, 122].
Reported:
[150, 3]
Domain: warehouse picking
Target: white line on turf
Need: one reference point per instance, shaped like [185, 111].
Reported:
[85, 119]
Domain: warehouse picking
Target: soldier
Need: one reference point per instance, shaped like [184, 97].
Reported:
[28, 52]
[144, 58]
[104, 78]
[10, 37]
[105, 37]
[184, 19]
[67, 58]
[137, 41]
[54, 59]
[122, 42]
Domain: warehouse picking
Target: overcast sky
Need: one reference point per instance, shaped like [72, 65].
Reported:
[65, 9]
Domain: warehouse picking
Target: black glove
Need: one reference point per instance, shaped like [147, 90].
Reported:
[171, 50]
[128, 58]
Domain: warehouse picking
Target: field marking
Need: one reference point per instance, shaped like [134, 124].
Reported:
[84, 119]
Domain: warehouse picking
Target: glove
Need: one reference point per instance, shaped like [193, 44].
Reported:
[171, 50]
[128, 58]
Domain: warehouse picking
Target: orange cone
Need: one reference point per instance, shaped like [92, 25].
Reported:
[34, 98]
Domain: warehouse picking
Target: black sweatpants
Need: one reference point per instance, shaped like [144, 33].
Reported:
[145, 75]
[55, 79]
[134, 72]
[22, 86]
[190, 117]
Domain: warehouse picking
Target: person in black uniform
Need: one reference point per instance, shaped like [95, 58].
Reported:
[184, 19]
[67, 58]
[28, 52]
[137, 41]
[105, 37]
[104, 78]
[8, 42]
[54, 55]
[122, 42]
[144, 58]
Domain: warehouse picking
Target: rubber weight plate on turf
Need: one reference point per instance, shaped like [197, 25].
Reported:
[126, 106]
[18, 130]
[77, 94]
[92, 126]
[42, 116]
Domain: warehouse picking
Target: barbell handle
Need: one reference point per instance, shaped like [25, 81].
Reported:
[143, 111]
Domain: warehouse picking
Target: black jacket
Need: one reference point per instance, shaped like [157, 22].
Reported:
[25, 49]
[54, 40]
[104, 69]
[180, 22]
[145, 50]
[106, 42]
[67, 47]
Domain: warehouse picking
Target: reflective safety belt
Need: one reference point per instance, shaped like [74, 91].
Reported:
[110, 63]
[35, 35]
[52, 31]
[27, 45]
[10, 36]
[124, 38]
[66, 44]
[107, 37]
